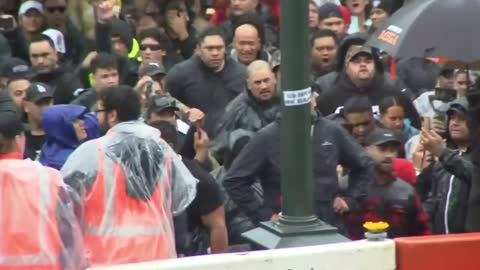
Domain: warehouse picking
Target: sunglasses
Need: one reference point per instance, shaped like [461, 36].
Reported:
[58, 9]
[151, 47]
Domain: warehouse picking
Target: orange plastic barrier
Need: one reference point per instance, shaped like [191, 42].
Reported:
[442, 252]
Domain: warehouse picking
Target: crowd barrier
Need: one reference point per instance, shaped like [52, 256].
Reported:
[359, 255]
[445, 252]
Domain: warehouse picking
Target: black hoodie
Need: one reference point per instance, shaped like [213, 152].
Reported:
[336, 88]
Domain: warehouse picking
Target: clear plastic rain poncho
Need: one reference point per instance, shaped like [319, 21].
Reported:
[39, 229]
[129, 183]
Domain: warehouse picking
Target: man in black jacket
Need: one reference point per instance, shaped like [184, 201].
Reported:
[45, 62]
[248, 112]
[360, 73]
[451, 175]
[332, 145]
[104, 68]
[473, 218]
[207, 81]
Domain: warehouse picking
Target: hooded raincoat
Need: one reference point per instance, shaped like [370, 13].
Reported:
[57, 122]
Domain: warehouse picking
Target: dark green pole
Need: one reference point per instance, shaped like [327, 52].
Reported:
[298, 226]
[296, 162]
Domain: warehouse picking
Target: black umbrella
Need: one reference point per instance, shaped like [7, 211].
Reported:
[432, 28]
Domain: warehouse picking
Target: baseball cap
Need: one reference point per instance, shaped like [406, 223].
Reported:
[459, 106]
[381, 136]
[152, 68]
[57, 38]
[15, 68]
[161, 103]
[355, 50]
[10, 125]
[329, 10]
[38, 92]
[28, 5]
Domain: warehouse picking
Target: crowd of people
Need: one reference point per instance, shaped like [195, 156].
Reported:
[136, 131]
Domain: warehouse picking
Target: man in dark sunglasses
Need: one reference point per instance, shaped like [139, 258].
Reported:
[75, 42]
[153, 45]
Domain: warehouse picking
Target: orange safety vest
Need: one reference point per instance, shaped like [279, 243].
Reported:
[120, 229]
[29, 233]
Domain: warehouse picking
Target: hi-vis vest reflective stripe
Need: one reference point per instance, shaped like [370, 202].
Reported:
[135, 49]
[37, 244]
[120, 229]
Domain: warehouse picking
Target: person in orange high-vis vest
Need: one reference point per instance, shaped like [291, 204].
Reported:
[131, 184]
[38, 227]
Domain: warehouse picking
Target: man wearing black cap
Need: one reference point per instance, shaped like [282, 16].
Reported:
[152, 82]
[38, 98]
[389, 199]
[18, 74]
[331, 18]
[151, 74]
[360, 73]
[448, 184]
[193, 141]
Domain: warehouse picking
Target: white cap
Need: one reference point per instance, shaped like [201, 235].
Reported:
[57, 38]
[26, 6]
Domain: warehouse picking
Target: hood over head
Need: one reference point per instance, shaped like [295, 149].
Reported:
[57, 121]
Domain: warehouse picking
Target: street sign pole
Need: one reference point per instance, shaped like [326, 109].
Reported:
[298, 225]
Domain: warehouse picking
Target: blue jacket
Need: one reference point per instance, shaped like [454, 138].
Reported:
[57, 121]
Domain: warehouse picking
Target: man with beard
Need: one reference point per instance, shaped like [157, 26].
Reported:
[252, 110]
[45, 62]
[360, 73]
[146, 181]
[324, 53]
[209, 80]
[389, 199]
[259, 161]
